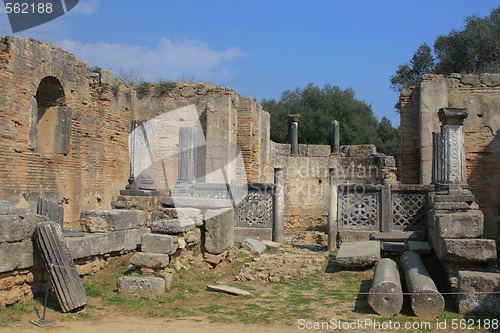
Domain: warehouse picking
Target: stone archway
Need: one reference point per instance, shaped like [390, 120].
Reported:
[50, 118]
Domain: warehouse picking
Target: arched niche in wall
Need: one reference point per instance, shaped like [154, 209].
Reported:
[50, 118]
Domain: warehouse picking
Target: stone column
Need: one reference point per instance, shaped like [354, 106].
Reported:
[335, 137]
[386, 211]
[141, 157]
[453, 145]
[278, 206]
[332, 211]
[437, 163]
[187, 155]
[293, 133]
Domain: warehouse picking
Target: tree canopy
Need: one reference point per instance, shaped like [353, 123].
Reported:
[318, 107]
[474, 49]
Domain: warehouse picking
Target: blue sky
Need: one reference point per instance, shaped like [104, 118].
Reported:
[259, 48]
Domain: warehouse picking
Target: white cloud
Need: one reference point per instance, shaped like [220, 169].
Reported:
[167, 59]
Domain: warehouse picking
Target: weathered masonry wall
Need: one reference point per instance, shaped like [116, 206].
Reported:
[63, 135]
[307, 178]
[480, 94]
[66, 130]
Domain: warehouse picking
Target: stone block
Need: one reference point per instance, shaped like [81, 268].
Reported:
[167, 201]
[7, 208]
[219, 230]
[158, 243]
[141, 286]
[118, 219]
[107, 77]
[18, 255]
[460, 224]
[422, 248]
[94, 224]
[150, 260]
[15, 228]
[172, 226]
[396, 247]
[454, 198]
[462, 251]
[212, 258]
[394, 236]
[359, 254]
[253, 245]
[479, 293]
[181, 213]
[318, 150]
[273, 246]
[96, 244]
[451, 205]
[354, 235]
[491, 80]
[258, 233]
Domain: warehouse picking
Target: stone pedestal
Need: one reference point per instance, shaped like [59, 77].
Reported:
[332, 211]
[187, 155]
[293, 133]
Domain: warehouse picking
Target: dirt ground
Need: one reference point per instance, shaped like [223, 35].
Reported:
[312, 295]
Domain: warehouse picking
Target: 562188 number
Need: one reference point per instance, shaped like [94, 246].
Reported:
[26, 8]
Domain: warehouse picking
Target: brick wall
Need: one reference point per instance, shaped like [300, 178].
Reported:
[480, 94]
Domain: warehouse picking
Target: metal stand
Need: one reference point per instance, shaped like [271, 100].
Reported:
[43, 322]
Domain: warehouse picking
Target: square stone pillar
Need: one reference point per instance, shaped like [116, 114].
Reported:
[141, 159]
[187, 155]
[452, 157]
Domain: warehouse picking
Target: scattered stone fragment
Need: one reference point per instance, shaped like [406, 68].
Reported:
[478, 293]
[212, 258]
[228, 289]
[150, 260]
[273, 246]
[141, 286]
[254, 245]
[359, 254]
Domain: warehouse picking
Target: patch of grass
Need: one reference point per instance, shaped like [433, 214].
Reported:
[92, 290]
[163, 88]
[214, 308]
[13, 313]
[96, 69]
[143, 90]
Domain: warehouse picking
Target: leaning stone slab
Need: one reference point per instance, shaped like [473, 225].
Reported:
[158, 243]
[460, 224]
[228, 290]
[219, 230]
[386, 295]
[172, 226]
[359, 254]
[150, 260]
[426, 301]
[469, 250]
[141, 286]
[253, 245]
[478, 293]
[118, 219]
[15, 228]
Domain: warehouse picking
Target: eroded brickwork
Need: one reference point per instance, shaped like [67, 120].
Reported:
[480, 94]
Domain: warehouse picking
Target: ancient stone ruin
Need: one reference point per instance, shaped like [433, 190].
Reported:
[193, 168]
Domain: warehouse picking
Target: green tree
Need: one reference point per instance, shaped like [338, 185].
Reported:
[318, 107]
[475, 49]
